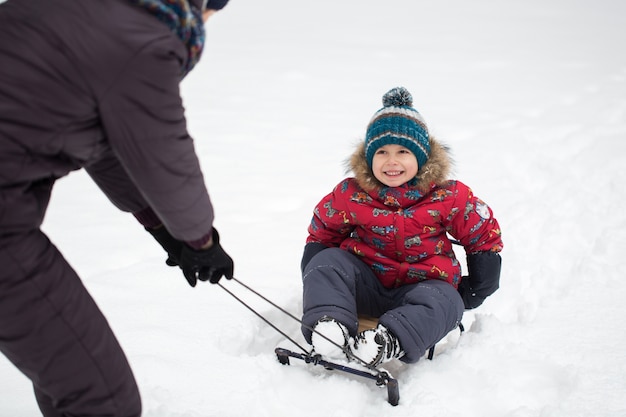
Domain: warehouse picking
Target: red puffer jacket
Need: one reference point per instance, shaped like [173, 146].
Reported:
[402, 232]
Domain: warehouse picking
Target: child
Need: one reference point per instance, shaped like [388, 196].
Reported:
[378, 245]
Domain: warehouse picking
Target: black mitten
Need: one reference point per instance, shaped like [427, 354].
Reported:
[172, 246]
[483, 279]
[206, 264]
[310, 250]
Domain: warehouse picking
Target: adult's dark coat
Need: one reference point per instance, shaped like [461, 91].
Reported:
[94, 85]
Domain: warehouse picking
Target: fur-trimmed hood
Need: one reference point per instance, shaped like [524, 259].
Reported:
[435, 171]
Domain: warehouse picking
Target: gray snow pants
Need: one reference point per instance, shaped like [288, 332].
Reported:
[340, 285]
[51, 328]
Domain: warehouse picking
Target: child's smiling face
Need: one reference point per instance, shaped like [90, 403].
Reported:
[393, 165]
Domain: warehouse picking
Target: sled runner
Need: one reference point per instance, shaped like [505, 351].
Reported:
[382, 378]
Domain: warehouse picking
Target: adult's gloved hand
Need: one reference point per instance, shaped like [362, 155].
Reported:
[172, 246]
[206, 264]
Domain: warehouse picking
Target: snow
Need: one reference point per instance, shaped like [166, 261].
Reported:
[531, 96]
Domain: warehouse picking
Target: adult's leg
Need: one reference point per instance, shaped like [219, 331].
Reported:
[426, 312]
[52, 330]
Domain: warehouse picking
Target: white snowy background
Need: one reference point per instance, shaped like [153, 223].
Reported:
[530, 95]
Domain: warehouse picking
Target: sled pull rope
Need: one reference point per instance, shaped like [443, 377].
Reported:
[373, 368]
[260, 315]
[280, 309]
[266, 299]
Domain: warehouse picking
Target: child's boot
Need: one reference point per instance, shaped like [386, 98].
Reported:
[376, 346]
[335, 344]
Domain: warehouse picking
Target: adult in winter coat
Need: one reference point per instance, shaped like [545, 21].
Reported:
[378, 245]
[94, 85]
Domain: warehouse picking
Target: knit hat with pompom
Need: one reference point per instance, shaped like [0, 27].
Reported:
[400, 124]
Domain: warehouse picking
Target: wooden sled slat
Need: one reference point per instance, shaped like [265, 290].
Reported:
[367, 322]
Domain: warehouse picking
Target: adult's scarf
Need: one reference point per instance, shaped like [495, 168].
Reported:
[184, 20]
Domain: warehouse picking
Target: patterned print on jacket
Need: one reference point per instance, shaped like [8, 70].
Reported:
[402, 232]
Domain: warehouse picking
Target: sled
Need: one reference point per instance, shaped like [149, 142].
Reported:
[382, 378]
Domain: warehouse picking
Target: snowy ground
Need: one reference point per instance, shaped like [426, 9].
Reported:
[530, 95]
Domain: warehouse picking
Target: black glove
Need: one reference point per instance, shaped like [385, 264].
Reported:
[206, 264]
[172, 246]
[483, 279]
[310, 250]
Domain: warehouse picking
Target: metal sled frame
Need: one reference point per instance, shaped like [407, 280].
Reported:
[382, 378]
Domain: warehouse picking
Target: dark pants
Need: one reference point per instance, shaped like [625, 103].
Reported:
[52, 331]
[340, 285]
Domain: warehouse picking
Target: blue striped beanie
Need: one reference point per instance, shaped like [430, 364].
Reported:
[400, 124]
